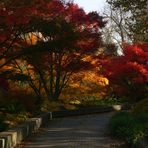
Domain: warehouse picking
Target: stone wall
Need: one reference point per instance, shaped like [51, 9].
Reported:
[14, 136]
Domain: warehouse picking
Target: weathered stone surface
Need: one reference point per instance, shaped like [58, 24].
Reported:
[12, 137]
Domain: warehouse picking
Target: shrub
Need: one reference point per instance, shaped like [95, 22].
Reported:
[102, 102]
[127, 74]
[112, 101]
[141, 107]
[13, 119]
[126, 126]
[14, 102]
[22, 116]
[140, 110]
[28, 100]
[51, 105]
[4, 98]
[14, 106]
[3, 125]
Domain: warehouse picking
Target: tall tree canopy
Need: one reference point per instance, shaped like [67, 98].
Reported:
[51, 37]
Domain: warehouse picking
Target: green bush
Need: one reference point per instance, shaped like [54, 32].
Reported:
[129, 127]
[141, 107]
[92, 101]
[14, 106]
[111, 101]
[3, 125]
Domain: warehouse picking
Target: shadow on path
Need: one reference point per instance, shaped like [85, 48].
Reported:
[88, 131]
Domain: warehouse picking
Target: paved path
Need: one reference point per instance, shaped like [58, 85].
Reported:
[88, 131]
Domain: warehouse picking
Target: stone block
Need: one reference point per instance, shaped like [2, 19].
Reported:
[14, 136]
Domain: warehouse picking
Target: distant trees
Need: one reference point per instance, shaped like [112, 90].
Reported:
[117, 30]
[127, 27]
[136, 19]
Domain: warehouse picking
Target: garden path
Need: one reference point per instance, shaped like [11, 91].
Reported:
[87, 131]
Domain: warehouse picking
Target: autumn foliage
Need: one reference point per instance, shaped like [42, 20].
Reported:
[47, 42]
[43, 43]
[128, 73]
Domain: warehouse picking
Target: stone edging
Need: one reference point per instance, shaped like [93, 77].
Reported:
[14, 136]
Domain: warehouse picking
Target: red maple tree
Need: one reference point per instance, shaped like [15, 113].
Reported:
[128, 73]
[64, 35]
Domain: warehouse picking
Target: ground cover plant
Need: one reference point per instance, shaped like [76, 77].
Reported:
[129, 127]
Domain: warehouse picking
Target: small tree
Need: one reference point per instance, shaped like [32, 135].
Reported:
[128, 73]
